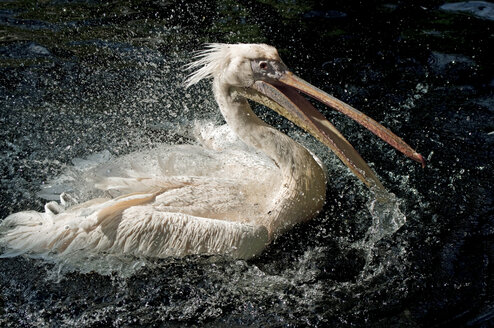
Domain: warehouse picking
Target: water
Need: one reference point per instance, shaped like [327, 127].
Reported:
[79, 78]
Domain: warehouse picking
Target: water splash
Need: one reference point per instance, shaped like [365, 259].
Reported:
[387, 219]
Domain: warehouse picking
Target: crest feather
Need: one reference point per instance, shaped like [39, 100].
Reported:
[207, 62]
[217, 56]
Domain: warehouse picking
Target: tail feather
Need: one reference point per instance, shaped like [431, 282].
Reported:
[20, 232]
[32, 232]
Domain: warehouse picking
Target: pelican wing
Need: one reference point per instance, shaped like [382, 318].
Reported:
[153, 211]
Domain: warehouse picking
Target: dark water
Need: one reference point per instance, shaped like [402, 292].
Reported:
[80, 77]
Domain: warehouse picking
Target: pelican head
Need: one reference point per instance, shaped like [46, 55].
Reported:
[236, 64]
[256, 72]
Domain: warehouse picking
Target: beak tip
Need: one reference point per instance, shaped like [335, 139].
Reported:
[420, 159]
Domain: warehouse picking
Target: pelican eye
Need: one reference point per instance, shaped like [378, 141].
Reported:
[263, 65]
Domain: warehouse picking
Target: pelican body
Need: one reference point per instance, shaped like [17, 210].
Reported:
[240, 187]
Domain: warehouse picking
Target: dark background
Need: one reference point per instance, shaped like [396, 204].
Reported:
[79, 77]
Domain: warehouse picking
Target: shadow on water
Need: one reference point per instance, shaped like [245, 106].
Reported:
[80, 77]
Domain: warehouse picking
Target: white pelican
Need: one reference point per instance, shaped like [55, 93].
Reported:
[247, 184]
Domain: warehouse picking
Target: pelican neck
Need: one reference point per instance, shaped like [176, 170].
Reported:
[250, 128]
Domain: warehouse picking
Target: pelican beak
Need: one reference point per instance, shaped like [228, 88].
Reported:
[282, 96]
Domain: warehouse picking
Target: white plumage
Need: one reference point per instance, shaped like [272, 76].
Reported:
[243, 185]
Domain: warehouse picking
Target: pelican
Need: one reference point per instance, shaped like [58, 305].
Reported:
[240, 187]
